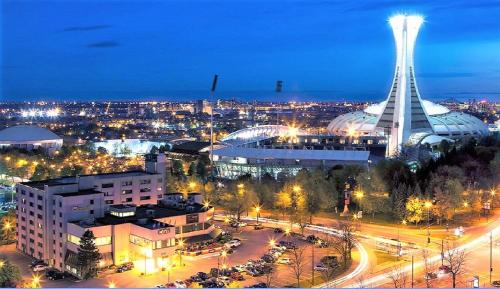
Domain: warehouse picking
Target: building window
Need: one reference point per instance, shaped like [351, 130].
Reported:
[40, 198]
[91, 212]
[31, 195]
[126, 183]
[99, 241]
[108, 202]
[91, 202]
[145, 182]
[126, 192]
[143, 198]
[108, 185]
[145, 190]
[40, 207]
[128, 200]
[121, 214]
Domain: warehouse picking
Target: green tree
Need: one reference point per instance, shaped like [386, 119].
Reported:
[414, 209]
[10, 274]
[41, 173]
[191, 169]
[88, 255]
[178, 168]
[201, 169]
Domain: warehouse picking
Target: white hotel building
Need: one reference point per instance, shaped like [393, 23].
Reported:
[129, 214]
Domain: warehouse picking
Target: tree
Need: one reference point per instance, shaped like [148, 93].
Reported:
[414, 209]
[298, 263]
[429, 266]
[178, 168]
[398, 276]
[10, 274]
[201, 169]
[238, 198]
[456, 259]
[88, 256]
[192, 169]
[344, 241]
[269, 274]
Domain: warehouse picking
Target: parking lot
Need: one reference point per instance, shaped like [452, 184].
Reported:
[254, 244]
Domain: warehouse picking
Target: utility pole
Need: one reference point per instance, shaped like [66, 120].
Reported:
[312, 264]
[442, 252]
[491, 254]
[412, 270]
[212, 93]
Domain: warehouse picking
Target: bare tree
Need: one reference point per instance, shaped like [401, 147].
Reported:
[398, 276]
[344, 241]
[269, 274]
[456, 259]
[298, 263]
[429, 267]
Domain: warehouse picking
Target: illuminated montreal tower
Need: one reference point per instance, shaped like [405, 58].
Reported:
[403, 113]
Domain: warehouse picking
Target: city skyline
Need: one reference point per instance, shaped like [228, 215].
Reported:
[170, 50]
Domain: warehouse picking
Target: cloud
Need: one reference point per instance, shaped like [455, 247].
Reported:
[103, 44]
[86, 28]
[445, 74]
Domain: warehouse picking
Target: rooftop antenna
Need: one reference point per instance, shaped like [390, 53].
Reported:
[212, 93]
[279, 88]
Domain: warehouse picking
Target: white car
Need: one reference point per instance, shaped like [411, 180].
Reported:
[320, 267]
[233, 243]
[285, 261]
[225, 279]
[240, 268]
[40, 267]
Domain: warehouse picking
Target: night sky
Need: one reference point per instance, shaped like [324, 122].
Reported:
[323, 50]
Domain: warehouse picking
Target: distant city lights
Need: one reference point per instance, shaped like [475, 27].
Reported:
[33, 113]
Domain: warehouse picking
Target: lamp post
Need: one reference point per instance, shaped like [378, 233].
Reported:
[36, 281]
[312, 259]
[222, 254]
[111, 284]
[428, 206]
[257, 211]
[181, 246]
[359, 195]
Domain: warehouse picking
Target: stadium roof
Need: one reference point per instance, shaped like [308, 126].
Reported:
[299, 154]
[27, 133]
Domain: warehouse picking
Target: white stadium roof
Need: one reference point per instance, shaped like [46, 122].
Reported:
[27, 133]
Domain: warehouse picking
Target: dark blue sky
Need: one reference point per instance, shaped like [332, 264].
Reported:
[325, 50]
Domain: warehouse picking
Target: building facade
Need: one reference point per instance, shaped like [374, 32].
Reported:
[127, 212]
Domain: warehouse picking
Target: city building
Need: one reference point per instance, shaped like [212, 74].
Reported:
[202, 106]
[129, 214]
[404, 118]
[30, 137]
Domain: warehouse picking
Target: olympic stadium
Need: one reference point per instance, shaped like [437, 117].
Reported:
[404, 125]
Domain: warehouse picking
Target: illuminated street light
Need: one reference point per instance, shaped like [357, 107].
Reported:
[180, 243]
[36, 281]
[257, 211]
[111, 284]
[192, 185]
[466, 204]
[2, 263]
[240, 186]
[272, 243]
[297, 188]
[206, 204]
[428, 206]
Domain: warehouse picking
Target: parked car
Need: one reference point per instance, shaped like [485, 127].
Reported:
[237, 276]
[233, 243]
[36, 262]
[330, 261]
[240, 268]
[259, 285]
[320, 267]
[496, 283]
[443, 269]
[160, 286]
[180, 284]
[54, 275]
[430, 276]
[312, 239]
[278, 230]
[225, 279]
[285, 261]
[40, 267]
[125, 267]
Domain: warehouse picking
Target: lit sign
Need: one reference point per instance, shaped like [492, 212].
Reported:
[164, 231]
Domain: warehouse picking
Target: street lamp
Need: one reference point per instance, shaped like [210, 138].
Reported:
[180, 243]
[111, 284]
[312, 258]
[428, 206]
[296, 188]
[169, 268]
[272, 243]
[257, 211]
[192, 186]
[36, 281]
[2, 263]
